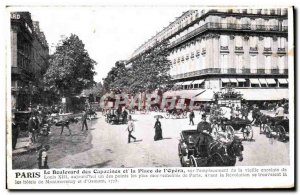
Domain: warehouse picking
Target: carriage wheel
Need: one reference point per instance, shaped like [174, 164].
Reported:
[261, 128]
[248, 133]
[179, 150]
[281, 132]
[167, 115]
[268, 131]
[193, 162]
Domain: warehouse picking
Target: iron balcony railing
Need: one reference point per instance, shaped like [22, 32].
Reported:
[245, 71]
[228, 26]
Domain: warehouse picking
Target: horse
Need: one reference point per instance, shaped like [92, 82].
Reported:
[217, 153]
[262, 120]
[91, 113]
[225, 154]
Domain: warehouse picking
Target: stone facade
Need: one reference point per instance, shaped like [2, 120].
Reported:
[29, 59]
[213, 44]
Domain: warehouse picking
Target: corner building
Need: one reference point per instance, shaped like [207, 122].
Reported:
[29, 60]
[214, 48]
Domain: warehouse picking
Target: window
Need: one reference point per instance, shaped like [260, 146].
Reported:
[238, 41]
[267, 42]
[268, 64]
[224, 40]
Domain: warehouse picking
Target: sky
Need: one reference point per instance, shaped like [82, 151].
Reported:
[109, 33]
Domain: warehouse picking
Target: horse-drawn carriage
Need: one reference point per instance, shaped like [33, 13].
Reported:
[176, 113]
[240, 126]
[113, 117]
[193, 153]
[277, 128]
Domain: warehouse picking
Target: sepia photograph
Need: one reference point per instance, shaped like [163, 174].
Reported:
[149, 87]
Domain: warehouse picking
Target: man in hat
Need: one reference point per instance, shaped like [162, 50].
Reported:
[204, 128]
[33, 127]
[191, 116]
[84, 121]
[15, 132]
[130, 129]
[203, 125]
[43, 157]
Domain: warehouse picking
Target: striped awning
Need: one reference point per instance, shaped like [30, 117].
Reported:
[263, 81]
[187, 83]
[233, 80]
[178, 84]
[254, 81]
[241, 80]
[198, 81]
[283, 81]
[271, 81]
[264, 94]
[224, 80]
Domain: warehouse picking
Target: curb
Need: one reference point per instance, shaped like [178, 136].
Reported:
[30, 149]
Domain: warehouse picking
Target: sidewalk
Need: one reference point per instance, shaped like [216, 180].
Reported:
[23, 146]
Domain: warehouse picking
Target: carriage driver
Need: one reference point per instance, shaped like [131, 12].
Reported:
[204, 128]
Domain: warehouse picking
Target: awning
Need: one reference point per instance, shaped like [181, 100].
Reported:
[233, 80]
[264, 94]
[263, 81]
[205, 96]
[241, 80]
[178, 84]
[198, 81]
[187, 94]
[187, 83]
[225, 80]
[254, 81]
[271, 81]
[283, 81]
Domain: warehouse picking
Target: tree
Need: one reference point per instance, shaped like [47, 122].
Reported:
[117, 77]
[71, 69]
[147, 73]
[151, 70]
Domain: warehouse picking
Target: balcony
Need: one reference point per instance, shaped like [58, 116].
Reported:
[238, 49]
[228, 26]
[267, 50]
[253, 50]
[219, 71]
[281, 51]
[224, 49]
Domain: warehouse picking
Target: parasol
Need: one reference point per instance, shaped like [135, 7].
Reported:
[158, 116]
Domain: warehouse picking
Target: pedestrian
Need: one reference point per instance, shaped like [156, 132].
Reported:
[245, 112]
[15, 132]
[65, 124]
[32, 128]
[130, 129]
[279, 113]
[43, 157]
[192, 116]
[158, 130]
[84, 121]
[125, 114]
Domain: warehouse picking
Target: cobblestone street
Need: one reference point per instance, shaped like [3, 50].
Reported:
[105, 145]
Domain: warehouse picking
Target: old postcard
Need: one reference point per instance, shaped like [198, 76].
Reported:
[150, 97]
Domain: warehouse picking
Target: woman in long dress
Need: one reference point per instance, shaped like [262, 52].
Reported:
[158, 130]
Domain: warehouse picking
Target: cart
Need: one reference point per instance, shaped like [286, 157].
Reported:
[277, 129]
